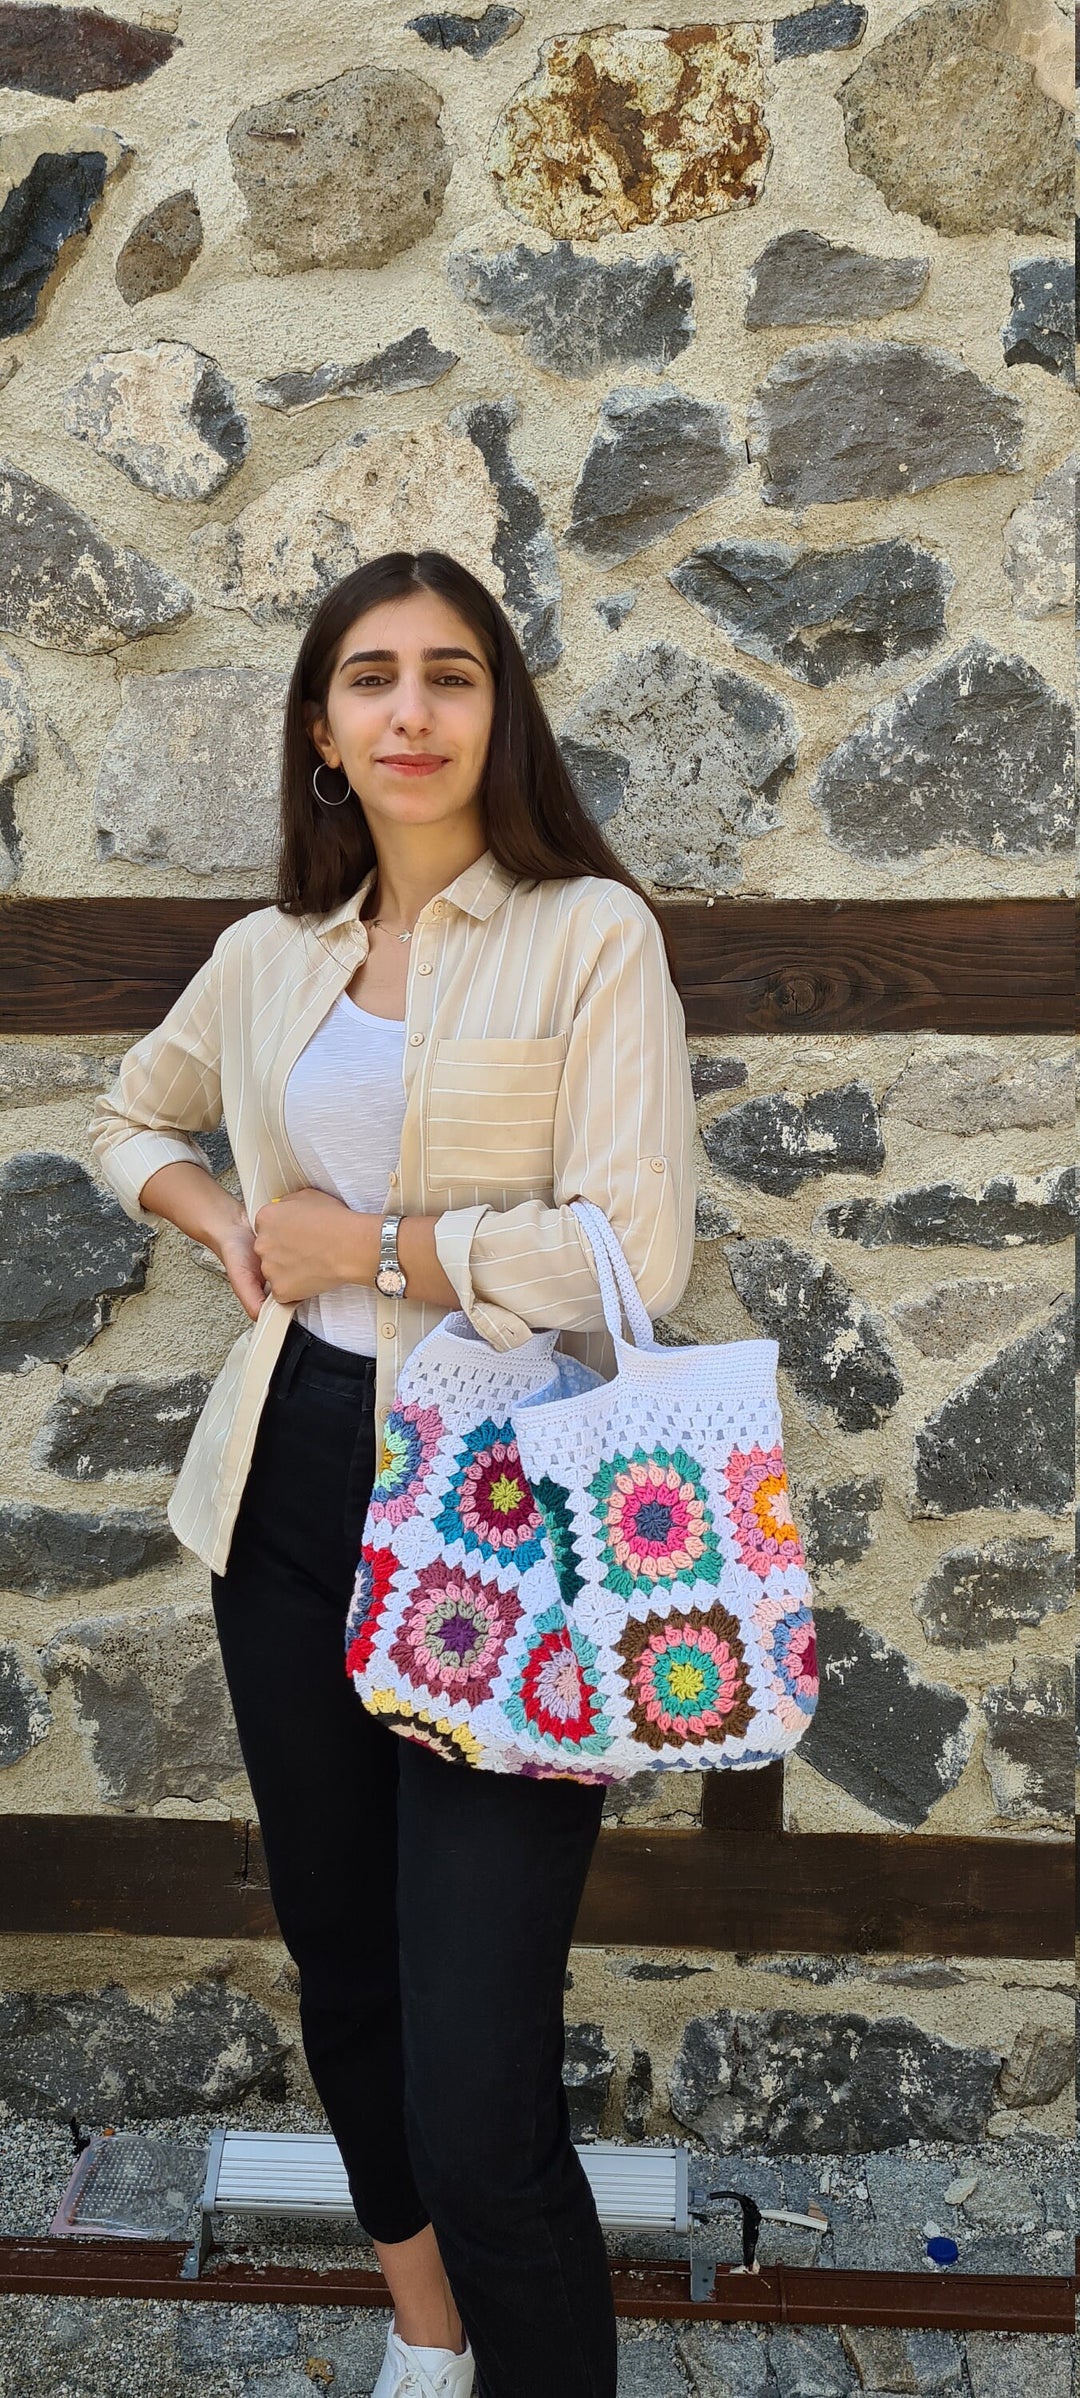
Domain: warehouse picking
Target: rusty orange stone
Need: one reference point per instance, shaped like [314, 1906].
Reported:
[624, 126]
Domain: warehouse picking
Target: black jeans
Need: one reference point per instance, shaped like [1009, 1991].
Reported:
[429, 1909]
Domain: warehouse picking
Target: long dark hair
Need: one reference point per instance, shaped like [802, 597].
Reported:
[534, 822]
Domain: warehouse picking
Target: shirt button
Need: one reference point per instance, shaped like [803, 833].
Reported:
[415, 1039]
[423, 969]
[658, 1164]
[437, 906]
[393, 1177]
[386, 1327]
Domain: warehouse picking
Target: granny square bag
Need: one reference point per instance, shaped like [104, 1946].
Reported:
[569, 1577]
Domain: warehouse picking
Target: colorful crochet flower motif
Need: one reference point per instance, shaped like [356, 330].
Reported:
[554, 1504]
[764, 1533]
[687, 1677]
[557, 1692]
[655, 1524]
[455, 1742]
[489, 1504]
[453, 1633]
[371, 1589]
[410, 1438]
[533, 1771]
[786, 1629]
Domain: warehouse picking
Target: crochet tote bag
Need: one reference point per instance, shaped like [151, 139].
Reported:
[575, 1578]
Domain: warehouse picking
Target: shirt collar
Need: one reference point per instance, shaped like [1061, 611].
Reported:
[478, 890]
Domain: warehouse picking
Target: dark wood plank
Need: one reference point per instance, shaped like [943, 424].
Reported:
[746, 966]
[824, 1893]
[749, 1802]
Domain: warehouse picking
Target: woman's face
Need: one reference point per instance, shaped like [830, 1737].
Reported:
[406, 702]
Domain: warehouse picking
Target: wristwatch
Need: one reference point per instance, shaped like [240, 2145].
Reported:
[390, 1278]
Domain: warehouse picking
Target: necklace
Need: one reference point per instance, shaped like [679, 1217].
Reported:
[387, 928]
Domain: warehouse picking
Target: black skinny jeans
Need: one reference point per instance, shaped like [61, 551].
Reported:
[429, 1909]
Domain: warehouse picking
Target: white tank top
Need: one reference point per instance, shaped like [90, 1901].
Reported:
[344, 1102]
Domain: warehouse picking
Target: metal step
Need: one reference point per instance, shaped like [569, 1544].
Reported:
[302, 2173]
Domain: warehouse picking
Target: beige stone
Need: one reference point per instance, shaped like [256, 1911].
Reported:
[428, 489]
[349, 173]
[985, 147]
[956, 1315]
[626, 126]
[983, 1092]
[1040, 546]
[164, 415]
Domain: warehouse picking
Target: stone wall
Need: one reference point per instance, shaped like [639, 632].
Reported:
[749, 387]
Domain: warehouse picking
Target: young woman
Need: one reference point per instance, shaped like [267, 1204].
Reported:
[459, 1016]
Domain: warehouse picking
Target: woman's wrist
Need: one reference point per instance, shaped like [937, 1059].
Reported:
[189, 1197]
[356, 1246]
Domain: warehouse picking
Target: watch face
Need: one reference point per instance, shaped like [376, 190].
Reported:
[391, 1281]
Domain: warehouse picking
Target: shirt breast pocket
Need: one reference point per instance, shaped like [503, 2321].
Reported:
[490, 1112]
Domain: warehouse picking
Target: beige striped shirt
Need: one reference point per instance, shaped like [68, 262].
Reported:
[544, 1060]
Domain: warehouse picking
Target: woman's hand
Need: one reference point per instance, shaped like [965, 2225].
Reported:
[236, 1249]
[302, 1245]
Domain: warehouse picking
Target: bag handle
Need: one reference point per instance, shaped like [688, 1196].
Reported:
[611, 1271]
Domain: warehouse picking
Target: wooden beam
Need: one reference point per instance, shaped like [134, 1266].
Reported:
[74, 966]
[815, 1892]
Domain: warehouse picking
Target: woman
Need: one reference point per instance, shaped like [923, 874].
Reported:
[459, 1016]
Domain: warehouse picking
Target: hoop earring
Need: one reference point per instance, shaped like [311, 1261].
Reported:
[349, 793]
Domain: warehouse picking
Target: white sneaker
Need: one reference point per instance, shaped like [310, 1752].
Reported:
[404, 2376]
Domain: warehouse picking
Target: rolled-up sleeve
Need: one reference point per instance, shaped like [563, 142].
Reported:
[169, 1085]
[623, 1137]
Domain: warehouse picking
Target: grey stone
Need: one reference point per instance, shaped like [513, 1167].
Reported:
[656, 458]
[347, 174]
[976, 1596]
[580, 315]
[836, 1520]
[958, 1315]
[830, 1344]
[425, 489]
[150, 1696]
[835, 26]
[802, 279]
[896, 1742]
[615, 607]
[826, 2084]
[1030, 1738]
[68, 1253]
[820, 613]
[18, 755]
[33, 1072]
[1041, 330]
[53, 186]
[411, 364]
[969, 1091]
[1039, 2064]
[711, 1219]
[638, 2095]
[1005, 1438]
[166, 416]
[210, 2338]
[1000, 2367]
[918, 2362]
[938, 1214]
[523, 548]
[778, 1143]
[350, 2341]
[107, 1425]
[475, 35]
[649, 2366]
[102, 2056]
[851, 420]
[64, 586]
[25, 1713]
[160, 248]
[599, 777]
[65, 51]
[709, 1073]
[708, 751]
[727, 2360]
[985, 147]
[620, 126]
[1040, 544]
[977, 755]
[47, 1550]
[809, 2362]
[587, 2071]
[189, 772]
